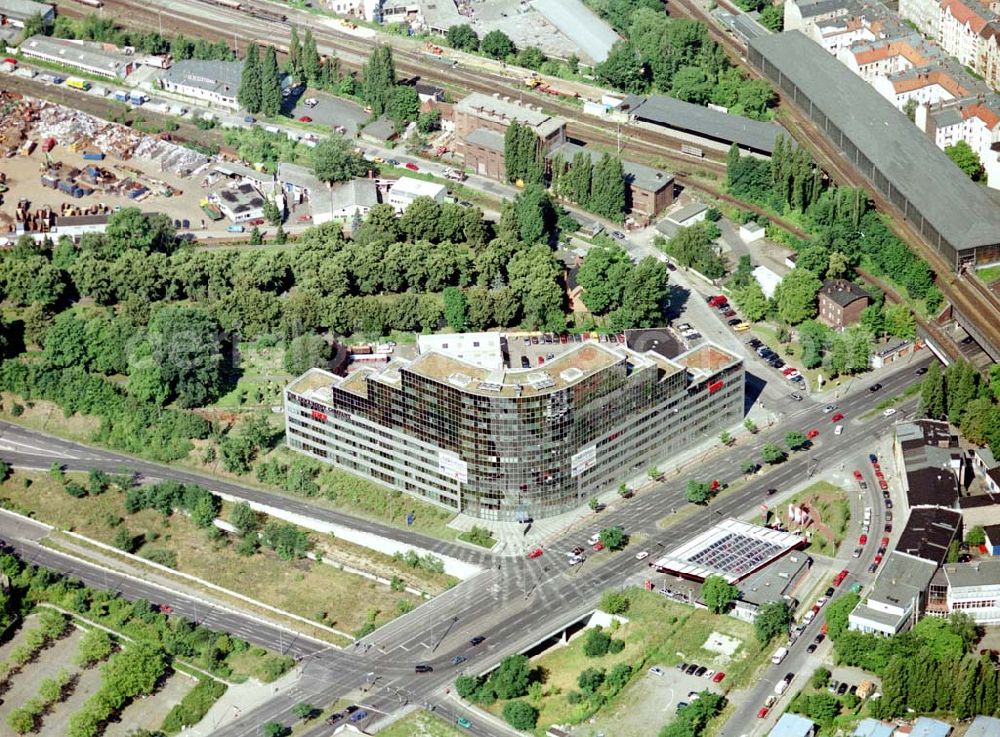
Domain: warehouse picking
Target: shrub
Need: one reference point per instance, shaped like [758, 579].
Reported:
[194, 705]
[614, 602]
[75, 490]
[520, 714]
[596, 643]
[163, 556]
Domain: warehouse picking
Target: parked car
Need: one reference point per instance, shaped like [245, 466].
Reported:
[617, 235]
[411, 166]
[305, 119]
[657, 671]
[812, 648]
[701, 671]
[359, 715]
[858, 476]
[863, 540]
[797, 397]
[743, 326]
[525, 363]
[598, 546]
[762, 712]
[842, 689]
[717, 678]
[690, 670]
[889, 412]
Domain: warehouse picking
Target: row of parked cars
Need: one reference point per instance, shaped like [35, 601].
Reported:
[352, 713]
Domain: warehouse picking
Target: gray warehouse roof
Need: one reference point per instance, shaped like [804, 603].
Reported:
[960, 210]
[577, 22]
[222, 77]
[703, 121]
[21, 10]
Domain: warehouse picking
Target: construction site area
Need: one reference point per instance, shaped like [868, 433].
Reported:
[60, 162]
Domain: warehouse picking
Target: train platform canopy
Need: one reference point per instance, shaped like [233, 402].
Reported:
[732, 549]
[899, 159]
[703, 122]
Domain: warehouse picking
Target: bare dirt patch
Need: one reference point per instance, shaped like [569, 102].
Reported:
[148, 712]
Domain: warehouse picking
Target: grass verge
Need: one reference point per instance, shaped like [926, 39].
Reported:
[834, 511]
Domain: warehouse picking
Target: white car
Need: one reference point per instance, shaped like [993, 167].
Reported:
[656, 670]
[640, 556]
[310, 102]
[829, 408]
[889, 412]
[838, 430]
[594, 539]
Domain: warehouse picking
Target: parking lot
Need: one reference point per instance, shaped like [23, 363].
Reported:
[329, 110]
[534, 350]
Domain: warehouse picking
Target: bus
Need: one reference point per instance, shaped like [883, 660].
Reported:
[78, 84]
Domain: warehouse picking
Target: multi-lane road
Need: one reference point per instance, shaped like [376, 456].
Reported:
[512, 602]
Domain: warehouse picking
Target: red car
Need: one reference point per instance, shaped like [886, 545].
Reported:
[411, 166]
[788, 370]
[717, 300]
[863, 539]
[305, 119]
[762, 712]
[883, 485]
[837, 417]
[884, 542]
[858, 476]
[717, 678]
[536, 553]
[839, 578]
[878, 559]
[598, 546]
[812, 433]
[729, 313]
[166, 609]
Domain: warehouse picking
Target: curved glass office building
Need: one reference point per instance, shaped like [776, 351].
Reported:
[460, 429]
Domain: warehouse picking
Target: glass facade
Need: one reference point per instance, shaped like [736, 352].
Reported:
[506, 455]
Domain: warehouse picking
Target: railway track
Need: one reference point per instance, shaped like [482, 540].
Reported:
[352, 53]
[967, 293]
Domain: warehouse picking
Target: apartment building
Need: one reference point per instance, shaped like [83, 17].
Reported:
[513, 444]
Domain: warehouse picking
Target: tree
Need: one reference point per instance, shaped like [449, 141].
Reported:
[795, 440]
[334, 160]
[614, 538]
[270, 84]
[590, 680]
[132, 229]
[899, 321]
[95, 645]
[615, 602]
[772, 454]
[932, 393]
[463, 38]
[497, 45]
[750, 425]
[456, 309]
[645, 296]
[312, 65]
[796, 296]
[512, 676]
[183, 347]
[976, 536]
[725, 437]
[837, 612]
[404, 105]
[596, 643]
[304, 710]
[607, 189]
[124, 540]
[602, 276]
[429, 121]
[22, 720]
[751, 301]
[522, 155]
[378, 79]
[520, 714]
[697, 492]
[249, 94]
[967, 160]
[820, 678]
[243, 518]
[305, 352]
[623, 69]
[772, 18]
[717, 593]
[274, 729]
[772, 620]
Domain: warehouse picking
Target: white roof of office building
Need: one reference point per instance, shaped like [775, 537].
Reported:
[79, 53]
[479, 349]
[21, 10]
[732, 549]
[410, 187]
[964, 214]
[580, 25]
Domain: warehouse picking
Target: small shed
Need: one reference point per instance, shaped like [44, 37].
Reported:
[767, 279]
[752, 231]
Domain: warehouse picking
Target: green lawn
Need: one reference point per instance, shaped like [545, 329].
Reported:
[831, 503]
[422, 724]
[990, 274]
[659, 632]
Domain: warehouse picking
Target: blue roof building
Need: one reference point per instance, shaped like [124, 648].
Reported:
[927, 727]
[984, 727]
[793, 725]
[873, 728]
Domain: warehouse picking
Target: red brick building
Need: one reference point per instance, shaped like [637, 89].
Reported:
[841, 303]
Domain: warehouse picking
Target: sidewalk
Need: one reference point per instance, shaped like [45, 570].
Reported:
[241, 698]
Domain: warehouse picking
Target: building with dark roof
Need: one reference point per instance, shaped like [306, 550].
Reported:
[930, 463]
[704, 124]
[955, 215]
[928, 533]
[992, 539]
[896, 598]
[841, 302]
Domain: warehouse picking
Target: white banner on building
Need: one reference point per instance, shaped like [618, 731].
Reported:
[452, 466]
[583, 461]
